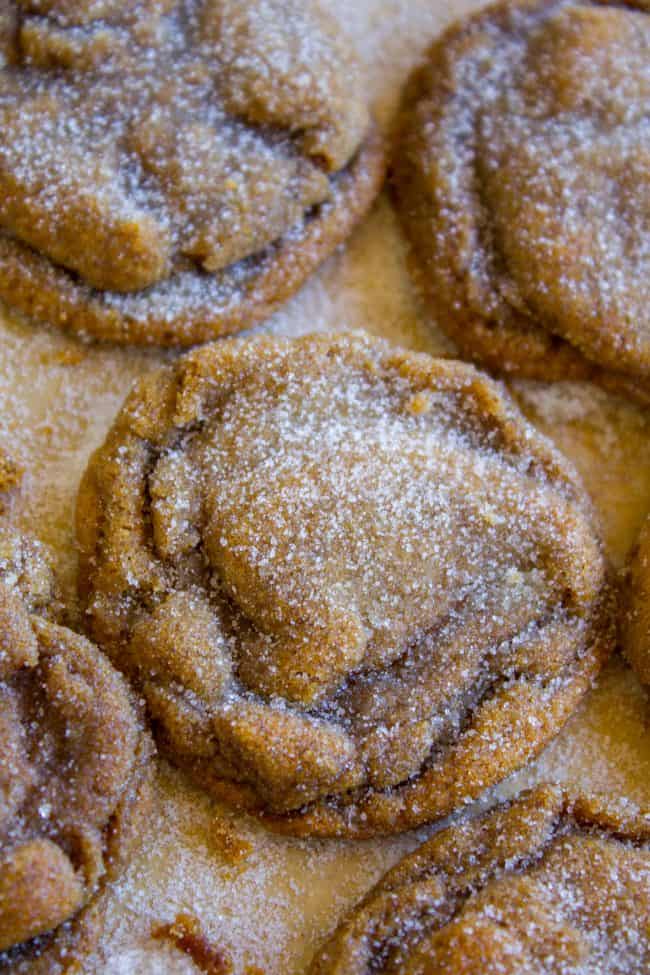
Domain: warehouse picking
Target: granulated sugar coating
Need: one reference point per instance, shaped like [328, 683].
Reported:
[75, 774]
[548, 885]
[57, 401]
[355, 586]
[173, 171]
[521, 175]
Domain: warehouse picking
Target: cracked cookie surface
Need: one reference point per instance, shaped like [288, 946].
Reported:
[75, 763]
[521, 176]
[172, 170]
[354, 585]
[546, 885]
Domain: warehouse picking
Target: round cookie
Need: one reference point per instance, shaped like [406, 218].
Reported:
[521, 177]
[544, 885]
[636, 617]
[171, 172]
[354, 585]
[75, 768]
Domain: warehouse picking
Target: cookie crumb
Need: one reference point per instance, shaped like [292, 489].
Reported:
[11, 475]
[419, 404]
[226, 842]
[186, 934]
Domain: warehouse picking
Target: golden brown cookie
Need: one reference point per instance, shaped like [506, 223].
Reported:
[74, 773]
[544, 885]
[171, 172]
[354, 585]
[521, 173]
[636, 616]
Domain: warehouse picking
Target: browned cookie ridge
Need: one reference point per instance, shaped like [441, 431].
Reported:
[545, 885]
[636, 615]
[74, 771]
[172, 170]
[355, 586]
[522, 176]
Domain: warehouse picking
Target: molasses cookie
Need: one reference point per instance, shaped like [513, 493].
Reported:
[521, 175]
[544, 885]
[354, 585]
[74, 771]
[172, 171]
[636, 618]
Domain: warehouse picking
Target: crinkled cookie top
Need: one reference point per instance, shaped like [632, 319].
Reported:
[547, 885]
[523, 169]
[147, 138]
[70, 749]
[341, 572]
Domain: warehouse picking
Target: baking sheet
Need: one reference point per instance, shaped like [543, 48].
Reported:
[57, 399]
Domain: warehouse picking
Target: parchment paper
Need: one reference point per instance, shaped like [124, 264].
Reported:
[57, 399]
